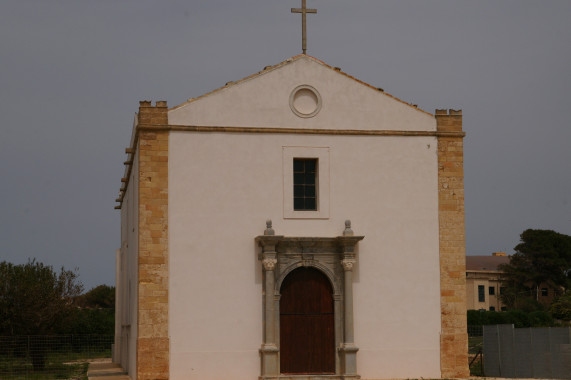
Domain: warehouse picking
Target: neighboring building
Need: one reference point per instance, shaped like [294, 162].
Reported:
[484, 281]
[484, 284]
[207, 290]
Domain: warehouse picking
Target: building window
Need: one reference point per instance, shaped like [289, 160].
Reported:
[305, 184]
[491, 290]
[502, 289]
[544, 292]
[492, 308]
[481, 293]
[504, 308]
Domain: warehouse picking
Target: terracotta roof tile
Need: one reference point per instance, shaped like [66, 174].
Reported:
[487, 263]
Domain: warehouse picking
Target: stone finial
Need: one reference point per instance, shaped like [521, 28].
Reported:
[269, 230]
[348, 231]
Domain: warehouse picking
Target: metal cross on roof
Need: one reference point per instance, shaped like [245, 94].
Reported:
[303, 10]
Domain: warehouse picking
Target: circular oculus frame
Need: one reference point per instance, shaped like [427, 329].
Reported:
[305, 101]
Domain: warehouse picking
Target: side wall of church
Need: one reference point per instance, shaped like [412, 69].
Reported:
[126, 314]
[222, 189]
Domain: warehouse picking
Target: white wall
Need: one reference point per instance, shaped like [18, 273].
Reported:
[126, 315]
[222, 188]
[263, 101]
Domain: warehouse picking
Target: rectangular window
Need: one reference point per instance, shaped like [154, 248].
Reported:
[305, 184]
[492, 308]
[504, 308]
[481, 293]
[491, 290]
[544, 292]
[502, 290]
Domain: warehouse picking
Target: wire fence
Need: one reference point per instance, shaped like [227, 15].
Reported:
[475, 350]
[50, 357]
[539, 352]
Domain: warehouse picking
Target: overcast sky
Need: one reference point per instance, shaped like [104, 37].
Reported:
[72, 74]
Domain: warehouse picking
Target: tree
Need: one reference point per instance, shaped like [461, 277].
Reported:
[542, 258]
[561, 307]
[100, 297]
[35, 300]
[95, 312]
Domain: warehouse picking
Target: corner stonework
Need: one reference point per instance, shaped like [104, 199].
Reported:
[454, 336]
[153, 297]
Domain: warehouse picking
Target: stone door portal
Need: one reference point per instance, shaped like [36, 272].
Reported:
[307, 330]
[308, 306]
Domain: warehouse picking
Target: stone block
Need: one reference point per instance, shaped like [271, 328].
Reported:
[152, 343]
[454, 348]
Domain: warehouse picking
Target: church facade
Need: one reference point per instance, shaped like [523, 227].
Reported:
[295, 224]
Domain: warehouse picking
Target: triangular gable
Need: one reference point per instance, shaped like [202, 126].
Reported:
[268, 99]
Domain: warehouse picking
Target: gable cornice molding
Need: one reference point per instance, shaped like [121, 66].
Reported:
[303, 131]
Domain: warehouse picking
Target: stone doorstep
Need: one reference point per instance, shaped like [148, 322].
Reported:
[106, 371]
[310, 377]
[122, 374]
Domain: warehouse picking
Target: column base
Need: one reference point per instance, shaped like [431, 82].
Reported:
[348, 358]
[269, 354]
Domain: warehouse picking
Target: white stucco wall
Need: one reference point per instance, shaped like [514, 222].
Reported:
[259, 102]
[126, 315]
[223, 187]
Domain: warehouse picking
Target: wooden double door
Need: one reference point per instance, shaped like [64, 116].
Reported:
[307, 327]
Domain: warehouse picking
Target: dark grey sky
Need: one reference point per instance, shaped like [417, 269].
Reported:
[72, 73]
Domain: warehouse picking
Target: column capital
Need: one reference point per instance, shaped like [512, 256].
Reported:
[269, 263]
[348, 263]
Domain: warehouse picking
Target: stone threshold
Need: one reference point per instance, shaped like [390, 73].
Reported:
[310, 377]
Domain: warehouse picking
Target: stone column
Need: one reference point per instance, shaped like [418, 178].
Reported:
[348, 350]
[269, 349]
[349, 338]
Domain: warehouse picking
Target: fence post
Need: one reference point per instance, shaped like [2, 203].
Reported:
[28, 355]
[499, 349]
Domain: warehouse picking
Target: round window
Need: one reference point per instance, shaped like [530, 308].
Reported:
[305, 101]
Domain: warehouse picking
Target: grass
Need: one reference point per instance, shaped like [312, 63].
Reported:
[477, 368]
[475, 345]
[69, 366]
